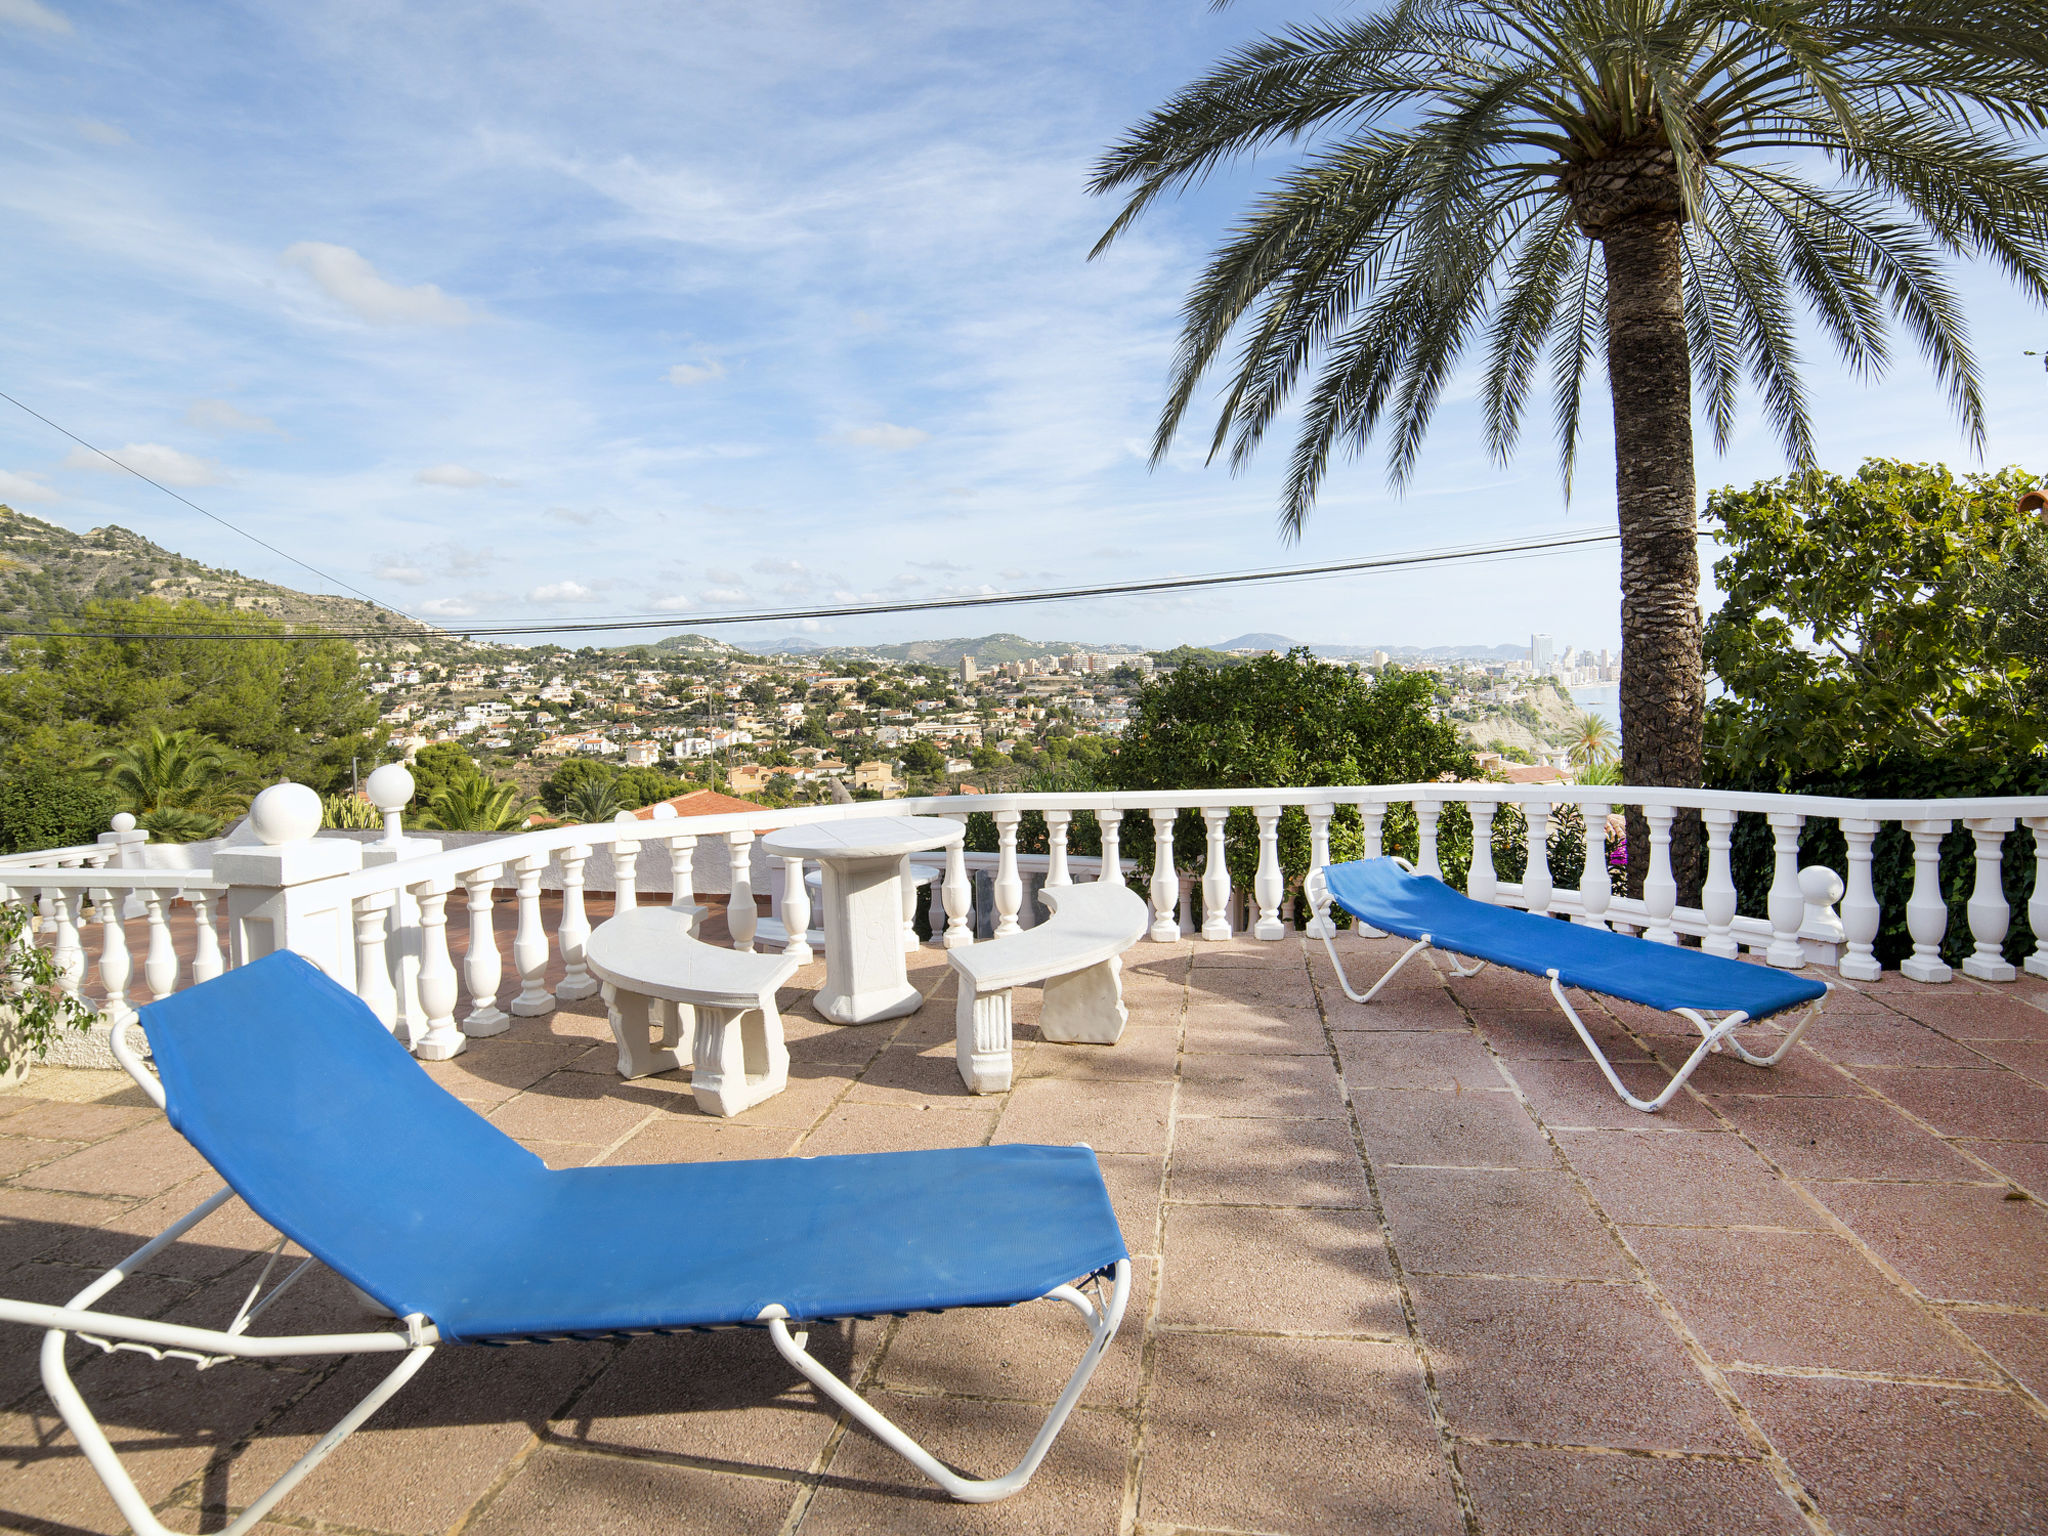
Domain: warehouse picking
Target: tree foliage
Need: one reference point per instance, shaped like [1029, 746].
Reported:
[476, 802]
[179, 786]
[1862, 623]
[45, 805]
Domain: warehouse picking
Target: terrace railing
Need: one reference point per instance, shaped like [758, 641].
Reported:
[375, 916]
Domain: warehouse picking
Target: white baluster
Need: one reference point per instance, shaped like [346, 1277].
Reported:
[1266, 882]
[1926, 911]
[1057, 824]
[116, 968]
[1596, 889]
[682, 877]
[574, 933]
[2037, 904]
[1860, 912]
[1009, 888]
[1216, 875]
[1787, 906]
[1537, 885]
[906, 878]
[1111, 824]
[1372, 820]
[530, 943]
[958, 891]
[483, 968]
[1426, 814]
[442, 1039]
[796, 911]
[1481, 882]
[1718, 895]
[206, 960]
[67, 953]
[741, 915]
[373, 962]
[1660, 886]
[1319, 924]
[625, 870]
[1990, 917]
[1165, 887]
[160, 966]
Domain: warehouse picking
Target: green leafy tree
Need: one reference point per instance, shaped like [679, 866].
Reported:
[1545, 179]
[476, 802]
[34, 1010]
[923, 757]
[595, 799]
[644, 786]
[179, 786]
[43, 805]
[570, 775]
[436, 765]
[1591, 743]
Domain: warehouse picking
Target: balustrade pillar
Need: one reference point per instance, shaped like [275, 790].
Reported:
[2037, 904]
[574, 933]
[1372, 821]
[483, 968]
[160, 966]
[1165, 888]
[907, 879]
[442, 1039]
[682, 876]
[1537, 885]
[1057, 824]
[1718, 895]
[796, 912]
[206, 960]
[1009, 887]
[625, 870]
[1482, 882]
[67, 954]
[530, 943]
[1926, 910]
[958, 891]
[1860, 911]
[1990, 917]
[1787, 905]
[1660, 886]
[740, 916]
[1111, 825]
[1266, 884]
[1596, 890]
[1215, 874]
[373, 961]
[117, 968]
[1426, 814]
[1319, 924]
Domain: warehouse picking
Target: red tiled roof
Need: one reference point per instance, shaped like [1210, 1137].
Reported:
[699, 802]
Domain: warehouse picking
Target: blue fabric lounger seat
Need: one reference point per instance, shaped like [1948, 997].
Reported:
[1387, 895]
[326, 1127]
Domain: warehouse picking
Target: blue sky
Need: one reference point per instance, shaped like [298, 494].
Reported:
[513, 312]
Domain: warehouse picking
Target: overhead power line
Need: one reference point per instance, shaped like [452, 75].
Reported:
[231, 527]
[1512, 549]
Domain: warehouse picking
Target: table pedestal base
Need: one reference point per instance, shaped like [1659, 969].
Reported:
[865, 977]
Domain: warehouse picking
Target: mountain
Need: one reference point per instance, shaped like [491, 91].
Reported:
[49, 572]
[1257, 642]
[782, 645]
[694, 645]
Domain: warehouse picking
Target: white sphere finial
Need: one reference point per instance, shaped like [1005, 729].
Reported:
[1821, 886]
[627, 817]
[285, 813]
[663, 811]
[390, 788]
[122, 822]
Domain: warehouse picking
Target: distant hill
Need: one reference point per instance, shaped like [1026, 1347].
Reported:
[49, 572]
[693, 645]
[1256, 642]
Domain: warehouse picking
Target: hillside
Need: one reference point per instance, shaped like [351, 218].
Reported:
[49, 572]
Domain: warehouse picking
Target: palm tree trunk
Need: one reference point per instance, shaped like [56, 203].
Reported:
[1663, 690]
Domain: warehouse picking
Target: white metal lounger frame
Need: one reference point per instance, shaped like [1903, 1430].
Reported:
[207, 1347]
[1714, 1034]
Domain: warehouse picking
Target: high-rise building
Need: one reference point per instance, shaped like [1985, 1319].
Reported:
[1540, 653]
[968, 671]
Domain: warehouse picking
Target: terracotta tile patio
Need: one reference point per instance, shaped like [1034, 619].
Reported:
[1407, 1268]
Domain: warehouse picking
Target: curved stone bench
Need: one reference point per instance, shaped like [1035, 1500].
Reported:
[1075, 952]
[660, 980]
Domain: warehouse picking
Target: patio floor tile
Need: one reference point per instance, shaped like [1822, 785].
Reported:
[1684, 1178]
[2017, 1341]
[1798, 1299]
[1973, 1013]
[1994, 1103]
[1266, 1162]
[1489, 1221]
[1887, 1041]
[1294, 1435]
[897, 1128]
[557, 1491]
[585, 1106]
[138, 1161]
[1572, 1363]
[1108, 1116]
[2024, 1162]
[1284, 1271]
[1547, 1035]
[1404, 1009]
[1813, 1138]
[1400, 1059]
[1278, 1087]
[702, 1139]
[1577, 1095]
[1956, 1242]
[1450, 1130]
[2027, 1057]
[1229, 1027]
[59, 1121]
[1525, 1492]
[1146, 1051]
[1904, 1460]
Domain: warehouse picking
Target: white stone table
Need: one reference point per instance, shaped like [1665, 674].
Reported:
[862, 863]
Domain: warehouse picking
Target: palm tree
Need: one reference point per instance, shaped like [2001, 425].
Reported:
[476, 802]
[1591, 744]
[1540, 177]
[594, 800]
[179, 786]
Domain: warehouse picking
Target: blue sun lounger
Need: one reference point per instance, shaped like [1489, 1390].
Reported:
[1387, 894]
[332, 1134]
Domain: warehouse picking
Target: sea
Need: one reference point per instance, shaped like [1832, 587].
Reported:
[1603, 700]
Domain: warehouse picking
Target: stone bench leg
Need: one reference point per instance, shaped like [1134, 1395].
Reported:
[653, 1035]
[982, 1031]
[741, 1059]
[1085, 1007]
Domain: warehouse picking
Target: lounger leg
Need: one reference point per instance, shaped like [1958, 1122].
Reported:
[1706, 1047]
[981, 1026]
[1365, 997]
[1085, 1007]
[635, 1020]
[1102, 1325]
[1791, 1039]
[738, 1063]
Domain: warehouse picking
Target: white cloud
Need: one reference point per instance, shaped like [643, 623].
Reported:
[31, 13]
[683, 375]
[768, 567]
[17, 488]
[220, 416]
[679, 602]
[102, 133]
[560, 592]
[457, 477]
[725, 595]
[951, 567]
[447, 608]
[169, 465]
[883, 435]
[582, 517]
[721, 575]
[389, 569]
[352, 282]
